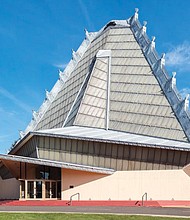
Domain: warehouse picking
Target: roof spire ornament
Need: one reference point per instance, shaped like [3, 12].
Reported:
[22, 134]
[61, 75]
[136, 14]
[173, 79]
[153, 42]
[35, 115]
[144, 26]
[49, 96]
[76, 56]
[186, 104]
[87, 34]
[149, 48]
[162, 60]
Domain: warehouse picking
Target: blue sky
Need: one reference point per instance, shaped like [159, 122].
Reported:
[36, 38]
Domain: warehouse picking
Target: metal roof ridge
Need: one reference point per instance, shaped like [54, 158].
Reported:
[167, 83]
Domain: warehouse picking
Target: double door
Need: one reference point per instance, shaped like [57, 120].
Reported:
[50, 189]
[39, 189]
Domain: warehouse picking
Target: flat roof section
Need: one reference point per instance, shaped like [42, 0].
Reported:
[110, 136]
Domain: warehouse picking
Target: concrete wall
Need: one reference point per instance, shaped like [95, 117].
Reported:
[9, 189]
[125, 185]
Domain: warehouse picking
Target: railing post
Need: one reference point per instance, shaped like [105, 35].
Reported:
[144, 195]
[73, 196]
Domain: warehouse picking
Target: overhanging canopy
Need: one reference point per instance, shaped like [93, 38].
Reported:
[12, 162]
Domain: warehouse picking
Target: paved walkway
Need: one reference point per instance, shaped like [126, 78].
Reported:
[178, 212]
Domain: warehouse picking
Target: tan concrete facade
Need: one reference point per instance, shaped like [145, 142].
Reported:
[127, 185]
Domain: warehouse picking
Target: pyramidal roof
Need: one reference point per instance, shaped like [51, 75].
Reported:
[116, 81]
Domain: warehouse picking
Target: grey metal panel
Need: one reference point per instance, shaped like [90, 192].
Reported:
[120, 31]
[121, 45]
[133, 70]
[119, 157]
[74, 109]
[92, 110]
[133, 79]
[120, 38]
[29, 149]
[119, 164]
[129, 61]
[127, 53]
[62, 104]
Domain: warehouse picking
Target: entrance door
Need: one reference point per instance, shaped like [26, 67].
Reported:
[51, 189]
[34, 189]
[54, 189]
[30, 189]
[59, 189]
[38, 189]
[47, 185]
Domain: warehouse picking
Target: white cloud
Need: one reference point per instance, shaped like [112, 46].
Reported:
[184, 92]
[179, 57]
[60, 65]
[85, 12]
[10, 96]
[4, 137]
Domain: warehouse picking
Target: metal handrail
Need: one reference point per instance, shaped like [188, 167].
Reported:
[144, 195]
[73, 196]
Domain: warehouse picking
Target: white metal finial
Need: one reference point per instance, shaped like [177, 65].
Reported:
[186, 105]
[187, 97]
[144, 23]
[144, 27]
[87, 35]
[61, 75]
[60, 72]
[48, 95]
[152, 44]
[35, 115]
[22, 134]
[173, 79]
[162, 60]
[153, 38]
[74, 55]
[136, 13]
[173, 74]
[136, 10]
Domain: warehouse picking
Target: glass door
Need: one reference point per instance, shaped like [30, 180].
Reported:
[30, 189]
[47, 190]
[53, 189]
[38, 189]
[22, 189]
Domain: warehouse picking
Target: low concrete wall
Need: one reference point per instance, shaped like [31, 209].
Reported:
[126, 185]
[9, 189]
